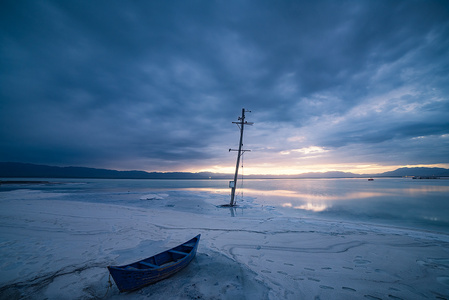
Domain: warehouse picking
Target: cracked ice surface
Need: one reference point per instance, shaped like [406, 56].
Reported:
[57, 246]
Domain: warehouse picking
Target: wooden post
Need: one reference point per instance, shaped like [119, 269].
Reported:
[242, 124]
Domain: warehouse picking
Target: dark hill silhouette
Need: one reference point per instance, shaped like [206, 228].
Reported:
[24, 170]
[12, 169]
[417, 172]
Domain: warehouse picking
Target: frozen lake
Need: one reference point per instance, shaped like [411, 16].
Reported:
[288, 239]
[407, 202]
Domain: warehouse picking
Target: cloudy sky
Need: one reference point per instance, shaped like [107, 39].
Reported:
[360, 86]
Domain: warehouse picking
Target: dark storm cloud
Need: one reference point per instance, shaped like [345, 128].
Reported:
[155, 84]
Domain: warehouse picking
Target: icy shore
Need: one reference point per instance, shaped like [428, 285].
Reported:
[55, 248]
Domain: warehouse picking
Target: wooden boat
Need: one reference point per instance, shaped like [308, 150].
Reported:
[155, 268]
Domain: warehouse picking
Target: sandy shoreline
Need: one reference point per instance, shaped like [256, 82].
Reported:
[60, 249]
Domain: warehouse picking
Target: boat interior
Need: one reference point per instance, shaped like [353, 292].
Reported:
[164, 258]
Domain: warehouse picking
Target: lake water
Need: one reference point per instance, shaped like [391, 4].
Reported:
[402, 202]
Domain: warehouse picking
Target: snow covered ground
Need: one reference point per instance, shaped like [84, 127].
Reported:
[57, 246]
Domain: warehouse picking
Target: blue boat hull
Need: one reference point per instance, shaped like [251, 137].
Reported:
[155, 268]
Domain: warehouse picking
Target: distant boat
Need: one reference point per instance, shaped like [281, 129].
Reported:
[370, 179]
[155, 268]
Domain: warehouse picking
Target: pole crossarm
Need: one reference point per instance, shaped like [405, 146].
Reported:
[245, 123]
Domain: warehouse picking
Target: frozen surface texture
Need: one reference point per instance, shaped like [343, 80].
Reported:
[54, 246]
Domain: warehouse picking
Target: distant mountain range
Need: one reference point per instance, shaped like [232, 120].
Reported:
[438, 172]
[13, 169]
[25, 170]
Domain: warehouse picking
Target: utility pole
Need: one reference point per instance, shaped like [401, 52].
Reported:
[241, 124]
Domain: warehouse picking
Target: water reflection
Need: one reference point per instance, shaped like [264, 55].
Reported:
[398, 201]
[296, 194]
[313, 207]
[308, 206]
[425, 189]
[316, 196]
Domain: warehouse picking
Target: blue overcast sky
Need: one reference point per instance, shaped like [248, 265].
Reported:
[358, 86]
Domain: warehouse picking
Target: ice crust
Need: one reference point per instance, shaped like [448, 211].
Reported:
[57, 246]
